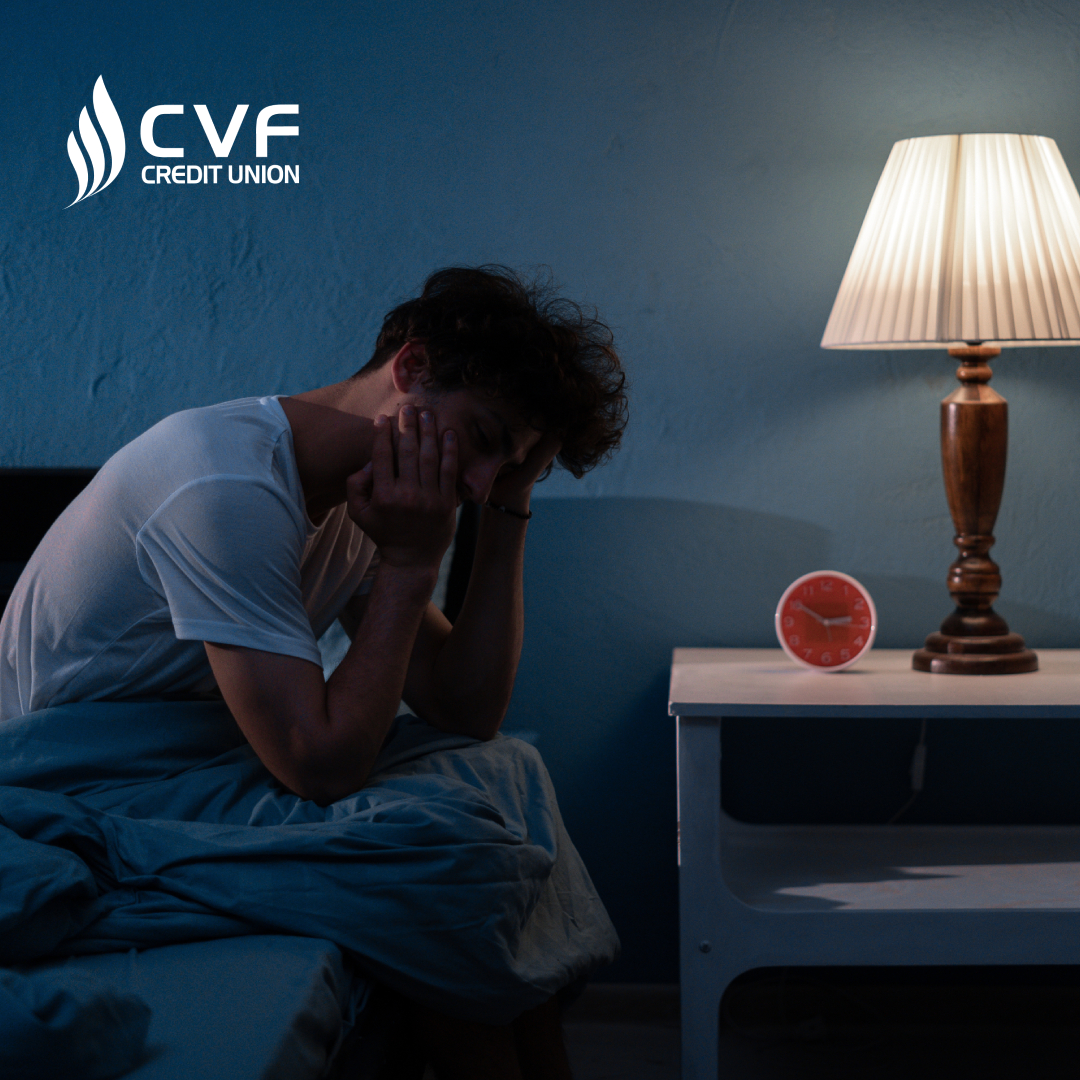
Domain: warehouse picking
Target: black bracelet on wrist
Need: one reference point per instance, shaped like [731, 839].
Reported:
[507, 510]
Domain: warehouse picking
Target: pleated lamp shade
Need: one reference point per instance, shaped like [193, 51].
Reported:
[968, 238]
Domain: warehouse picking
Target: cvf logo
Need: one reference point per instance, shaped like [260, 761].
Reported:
[112, 129]
[108, 122]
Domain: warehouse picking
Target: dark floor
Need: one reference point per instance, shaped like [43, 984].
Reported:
[836, 1024]
[624, 1030]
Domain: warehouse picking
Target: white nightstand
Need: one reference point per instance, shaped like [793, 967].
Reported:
[774, 895]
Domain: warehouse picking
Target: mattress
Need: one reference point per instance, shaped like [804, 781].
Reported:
[263, 1007]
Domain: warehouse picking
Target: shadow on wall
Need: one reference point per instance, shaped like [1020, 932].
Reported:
[612, 585]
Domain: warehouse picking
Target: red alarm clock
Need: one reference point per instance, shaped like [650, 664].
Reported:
[826, 620]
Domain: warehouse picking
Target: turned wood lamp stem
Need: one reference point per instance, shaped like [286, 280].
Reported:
[974, 639]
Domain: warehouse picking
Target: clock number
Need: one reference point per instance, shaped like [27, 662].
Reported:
[789, 620]
[793, 640]
[860, 605]
[808, 590]
[808, 653]
[864, 622]
[858, 641]
[826, 657]
[827, 585]
[845, 654]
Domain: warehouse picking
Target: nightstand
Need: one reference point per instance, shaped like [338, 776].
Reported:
[755, 896]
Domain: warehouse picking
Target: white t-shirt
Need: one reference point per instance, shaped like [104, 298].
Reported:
[195, 531]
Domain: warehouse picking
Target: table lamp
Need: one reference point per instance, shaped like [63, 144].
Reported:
[971, 243]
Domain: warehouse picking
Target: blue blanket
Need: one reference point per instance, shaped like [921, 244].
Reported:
[449, 876]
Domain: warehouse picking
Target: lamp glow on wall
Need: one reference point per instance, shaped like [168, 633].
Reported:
[971, 243]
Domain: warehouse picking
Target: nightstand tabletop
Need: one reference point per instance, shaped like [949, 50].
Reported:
[763, 682]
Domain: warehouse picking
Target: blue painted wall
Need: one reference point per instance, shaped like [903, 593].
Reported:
[697, 170]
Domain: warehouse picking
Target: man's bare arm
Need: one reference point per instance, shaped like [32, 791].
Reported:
[321, 739]
[461, 678]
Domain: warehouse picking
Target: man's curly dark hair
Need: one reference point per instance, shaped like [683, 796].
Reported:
[489, 328]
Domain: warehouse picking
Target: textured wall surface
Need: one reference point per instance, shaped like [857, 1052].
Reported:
[697, 170]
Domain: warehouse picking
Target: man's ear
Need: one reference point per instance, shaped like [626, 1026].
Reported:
[408, 367]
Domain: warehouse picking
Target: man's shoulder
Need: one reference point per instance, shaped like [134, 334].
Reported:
[239, 418]
[232, 437]
[245, 440]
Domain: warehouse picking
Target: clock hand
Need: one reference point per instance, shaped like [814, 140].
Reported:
[800, 606]
[841, 621]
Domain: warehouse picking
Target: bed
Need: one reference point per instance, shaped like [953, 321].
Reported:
[204, 1020]
[168, 911]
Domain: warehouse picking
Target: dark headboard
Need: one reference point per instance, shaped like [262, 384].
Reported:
[32, 499]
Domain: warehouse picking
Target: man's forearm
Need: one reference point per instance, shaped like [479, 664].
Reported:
[364, 692]
[475, 669]
[321, 739]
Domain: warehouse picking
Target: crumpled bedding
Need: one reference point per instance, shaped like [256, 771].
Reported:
[449, 876]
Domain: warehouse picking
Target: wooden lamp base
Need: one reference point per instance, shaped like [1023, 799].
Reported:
[974, 639]
[945, 654]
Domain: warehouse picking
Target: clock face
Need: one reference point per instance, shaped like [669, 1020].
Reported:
[826, 620]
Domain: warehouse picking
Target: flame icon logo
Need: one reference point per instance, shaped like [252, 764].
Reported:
[111, 128]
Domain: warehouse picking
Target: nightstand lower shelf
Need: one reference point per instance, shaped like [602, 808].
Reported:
[898, 868]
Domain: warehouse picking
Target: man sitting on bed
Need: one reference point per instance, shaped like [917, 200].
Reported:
[211, 553]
